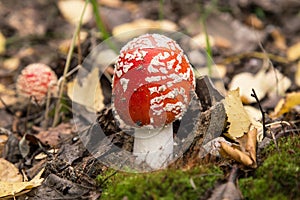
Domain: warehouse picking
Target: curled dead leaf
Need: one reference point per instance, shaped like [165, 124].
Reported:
[286, 104]
[248, 145]
[245, 152]
[236, 154]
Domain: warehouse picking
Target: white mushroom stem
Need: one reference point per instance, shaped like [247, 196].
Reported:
[154, 146]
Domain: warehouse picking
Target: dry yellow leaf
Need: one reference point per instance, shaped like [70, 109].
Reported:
[12, 189]
[254, 21]
[222, 42]
[293, 52]
[286, 104]
[87, 91]
[72, 9]
[11, 64]
[237, 116]
[138, 27]
[199, 41]
[2, 43]
[8, 172]
[279, 39]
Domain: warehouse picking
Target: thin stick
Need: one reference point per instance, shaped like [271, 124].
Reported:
[6, 107]
[79, 56]
[261, 110]
[68, 62]
[260, 55]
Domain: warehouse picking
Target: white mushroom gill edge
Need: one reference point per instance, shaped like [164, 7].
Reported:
[154, 146]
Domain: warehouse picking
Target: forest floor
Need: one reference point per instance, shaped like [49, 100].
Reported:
[252, 45]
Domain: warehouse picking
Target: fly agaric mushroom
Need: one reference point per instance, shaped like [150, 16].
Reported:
[152, 87]
[35, 81]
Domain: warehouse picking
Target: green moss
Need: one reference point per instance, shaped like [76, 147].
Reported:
[163, 185]
[279, 175]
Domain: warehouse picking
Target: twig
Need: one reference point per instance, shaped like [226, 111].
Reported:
[260, 55]
[6, 107]
[261, 110]
[79, 55]
[68, 62]
[108, 177]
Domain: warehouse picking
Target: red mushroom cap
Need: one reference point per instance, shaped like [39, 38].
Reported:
[152, 82]
[35, 80]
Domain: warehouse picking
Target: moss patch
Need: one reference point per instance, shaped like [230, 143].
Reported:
[167, 184]
[279, 175]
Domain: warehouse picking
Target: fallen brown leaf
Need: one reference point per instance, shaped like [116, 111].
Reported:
[248, 145]
[12, 189]
[236, 154]
[286, 104]
[279, 39]
[254, 21]
[52, 136]
[8, 172]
